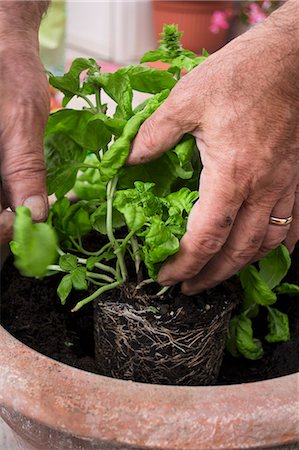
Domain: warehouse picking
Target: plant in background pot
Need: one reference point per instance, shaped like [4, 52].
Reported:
[194, 18]
[107, 249]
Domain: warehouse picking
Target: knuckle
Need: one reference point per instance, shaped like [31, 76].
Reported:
[204, 246]
[23, 167]
[274, 238]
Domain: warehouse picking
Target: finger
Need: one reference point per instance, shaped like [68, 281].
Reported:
[293, 234]
[22, 161]
[277, 233]
[162, 130]
[6, 226]
[244, 241]
[208, 228]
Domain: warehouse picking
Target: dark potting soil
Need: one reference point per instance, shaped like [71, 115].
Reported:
[31, 311]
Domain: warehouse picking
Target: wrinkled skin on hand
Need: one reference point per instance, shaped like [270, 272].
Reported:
[24, 110]
[242, 106]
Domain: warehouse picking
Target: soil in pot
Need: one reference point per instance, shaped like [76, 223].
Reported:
[31, 311]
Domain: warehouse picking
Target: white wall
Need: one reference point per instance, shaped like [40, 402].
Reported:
[119, 31]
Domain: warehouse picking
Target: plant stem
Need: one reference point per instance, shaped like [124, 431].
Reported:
[96, 294]
[100, 276]
[99, 266]
[111, 187]
[98, 100]
[144, 283]
[136, 253]
[162, 291]
[89, 102]
[55, 267]
[86, 252]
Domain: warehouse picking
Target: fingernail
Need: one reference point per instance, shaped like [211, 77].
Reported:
[37, 206]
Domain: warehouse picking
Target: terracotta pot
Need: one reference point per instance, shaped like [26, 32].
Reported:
[49, 405]
[194, 18]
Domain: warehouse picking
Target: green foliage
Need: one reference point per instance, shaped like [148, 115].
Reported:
[261, 288]
[86, 151]
[34, 245]
[171, 51]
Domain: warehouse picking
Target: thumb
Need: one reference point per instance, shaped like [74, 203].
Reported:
[21, 157]
[160, 132]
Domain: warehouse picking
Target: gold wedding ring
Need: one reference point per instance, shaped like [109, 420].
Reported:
[280, 221]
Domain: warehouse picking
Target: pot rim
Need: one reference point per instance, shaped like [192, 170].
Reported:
[64, 398]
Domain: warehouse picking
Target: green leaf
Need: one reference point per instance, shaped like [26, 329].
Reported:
[159, 244]
[278, 324]
[76, 221]
[68, 262]
[78, 276]
[98, 219]
[119, 88]
[153, 55]
[34, 245]
[231, 343]
[64, 288]
[117, 154]
[147, 79]
[86, 129]
[63, 157]
[248, 346]
[288, 289]
[182, 200]
[255, 288]
[69, 83]
[184, 62]
[275, 266]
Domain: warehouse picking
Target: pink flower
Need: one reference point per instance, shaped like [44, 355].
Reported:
[266, 4]
[219, 21]
[256, 14]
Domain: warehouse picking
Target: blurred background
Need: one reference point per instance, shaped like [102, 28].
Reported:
[120, 31]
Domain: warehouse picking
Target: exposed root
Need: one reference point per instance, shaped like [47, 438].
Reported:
[134, 343]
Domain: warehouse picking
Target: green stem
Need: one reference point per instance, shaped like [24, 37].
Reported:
[96, 294]
[90, 104]
[95, 275]
[97, 283]
[162, 291]
[144, 283]
[98, 100]
[136, 253]
[99, 266]
[100, 276]
[111, 187]
[55, 267]
[86, 252]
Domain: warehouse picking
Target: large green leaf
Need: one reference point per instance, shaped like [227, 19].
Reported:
[69, 83]
[86, 129]
[275, 266]
[63, 157]
[34, 245]
[147, 79]
[119, 88]
[117, 154]
[278, 323]
[248, 346]
[255, 288]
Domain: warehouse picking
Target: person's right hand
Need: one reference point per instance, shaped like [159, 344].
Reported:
[241, 105]
[24, 109]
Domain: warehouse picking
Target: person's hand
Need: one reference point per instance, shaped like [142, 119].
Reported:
[242, 107]
[24, 109]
